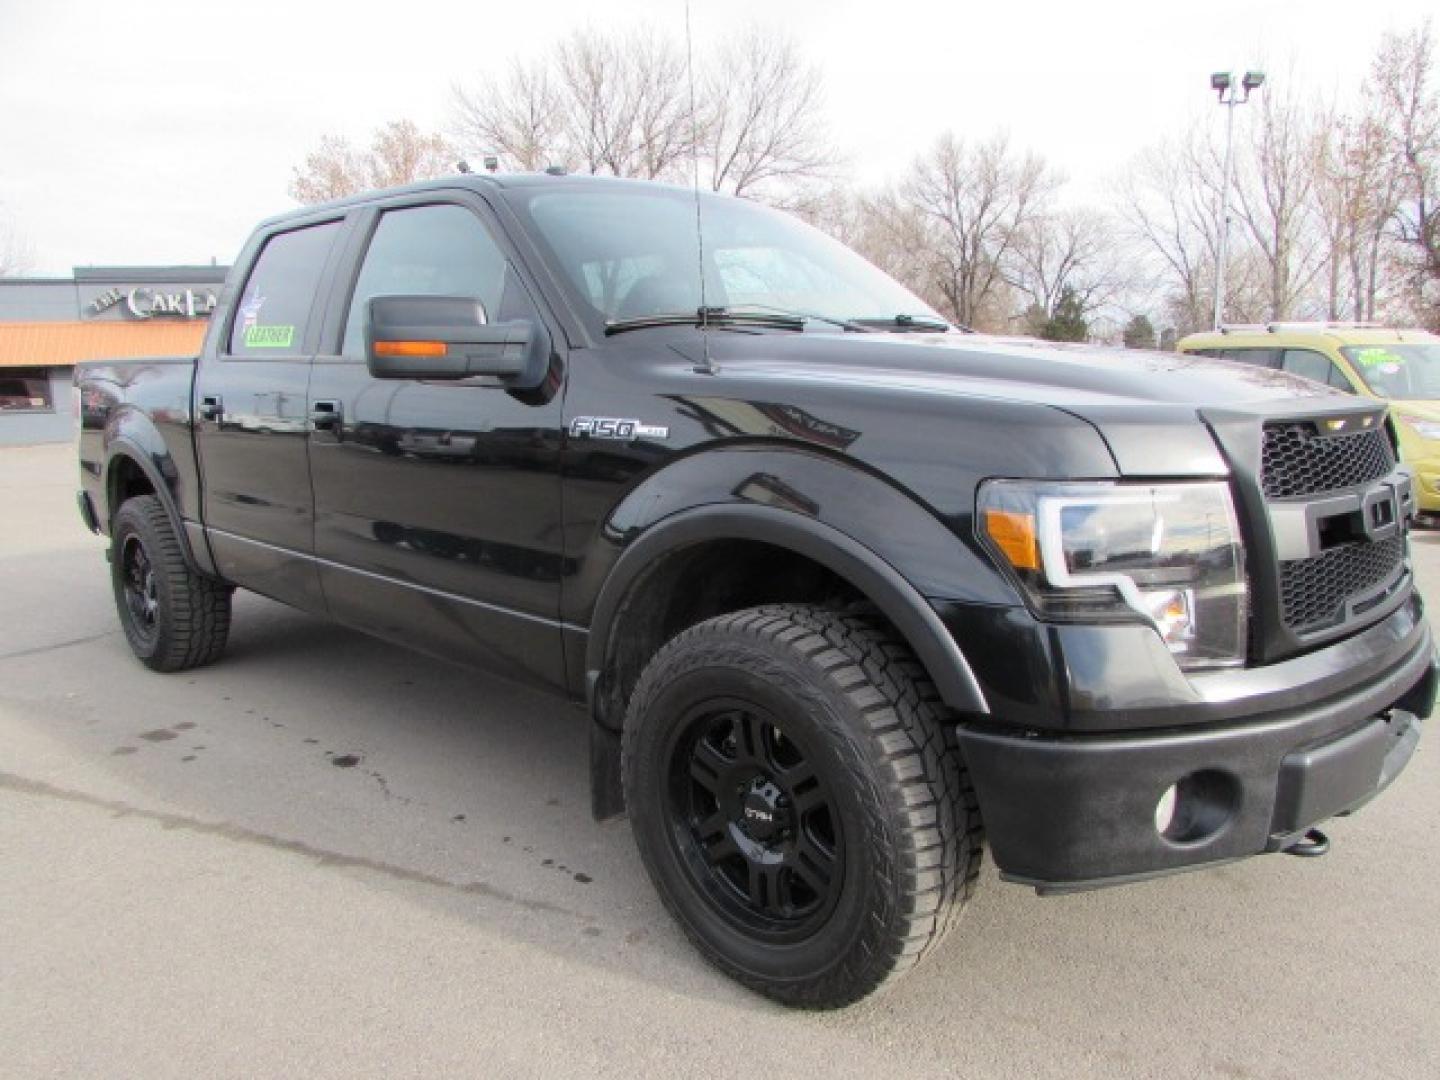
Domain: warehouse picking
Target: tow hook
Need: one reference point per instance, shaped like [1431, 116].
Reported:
[1310, 846]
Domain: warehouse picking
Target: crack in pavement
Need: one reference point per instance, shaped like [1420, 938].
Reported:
[38, 649]
[239, 834]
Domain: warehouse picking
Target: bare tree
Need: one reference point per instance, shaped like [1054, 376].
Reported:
[1168, 204]
[1072, 249]
[976, 199]
[620, 103]
[761, 115]
[615, 103]
[627, 100]
[523, 119]
[1275, 191]
[1402, 75]
[1356, 194]
[399, 153]
[17, 257]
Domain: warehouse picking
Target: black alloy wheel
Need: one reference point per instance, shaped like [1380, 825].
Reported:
[754, 820]
[798, 800]
[174, 617]
[141, 597]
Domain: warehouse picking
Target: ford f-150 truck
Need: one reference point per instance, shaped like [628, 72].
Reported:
[847, 593]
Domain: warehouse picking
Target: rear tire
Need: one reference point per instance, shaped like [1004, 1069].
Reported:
[173, 617]
[798, 802]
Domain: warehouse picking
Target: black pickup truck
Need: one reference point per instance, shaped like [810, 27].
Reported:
[847, 592]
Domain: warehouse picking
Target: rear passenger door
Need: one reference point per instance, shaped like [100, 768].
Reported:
[251, 423]
[438, 502]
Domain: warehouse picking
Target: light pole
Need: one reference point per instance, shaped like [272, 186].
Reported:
[1230, 95]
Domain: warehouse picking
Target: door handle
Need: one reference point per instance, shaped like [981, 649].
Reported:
[211, 407]
[326, 415]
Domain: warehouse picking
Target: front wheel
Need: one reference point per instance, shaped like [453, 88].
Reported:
[797, 802]
[173, 617]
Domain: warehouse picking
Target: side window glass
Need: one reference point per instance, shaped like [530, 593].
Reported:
[1306, 362]
[440, 250]
[273, 311]
[1339, 380]
[1268, 358]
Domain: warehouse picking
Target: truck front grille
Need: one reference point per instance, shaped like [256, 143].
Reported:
[1314, 592]
[1296, 460]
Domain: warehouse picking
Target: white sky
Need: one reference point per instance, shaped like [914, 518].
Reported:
[161, 132]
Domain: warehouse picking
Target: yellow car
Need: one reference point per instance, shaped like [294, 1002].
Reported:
[1401, 367]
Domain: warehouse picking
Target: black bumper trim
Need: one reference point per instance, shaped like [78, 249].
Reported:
[1070, 812]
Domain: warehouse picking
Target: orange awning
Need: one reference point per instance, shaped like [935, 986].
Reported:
[55, 344]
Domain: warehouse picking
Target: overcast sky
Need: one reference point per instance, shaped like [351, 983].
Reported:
[161, 132]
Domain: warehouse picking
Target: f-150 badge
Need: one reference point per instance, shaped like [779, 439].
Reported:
[609, 427]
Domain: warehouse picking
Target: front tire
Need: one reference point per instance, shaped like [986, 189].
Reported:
[797, 802]
[173, 617]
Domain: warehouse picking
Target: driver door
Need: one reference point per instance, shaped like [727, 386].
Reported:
[437, 503]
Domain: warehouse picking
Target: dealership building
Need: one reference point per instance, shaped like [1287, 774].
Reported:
[48, 325]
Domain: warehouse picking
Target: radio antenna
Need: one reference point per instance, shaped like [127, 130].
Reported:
[706, 367]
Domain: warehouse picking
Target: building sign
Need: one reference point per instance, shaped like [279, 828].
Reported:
[145, 302]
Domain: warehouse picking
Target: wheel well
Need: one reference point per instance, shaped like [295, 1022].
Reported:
[696, 583]
[127, 480]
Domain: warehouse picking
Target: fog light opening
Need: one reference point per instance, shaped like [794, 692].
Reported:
[1197, 807]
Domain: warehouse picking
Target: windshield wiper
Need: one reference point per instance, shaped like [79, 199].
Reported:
[715, 316]
[833, 320]
[902, 322]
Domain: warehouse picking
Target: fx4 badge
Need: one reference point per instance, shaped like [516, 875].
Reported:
[608, 427]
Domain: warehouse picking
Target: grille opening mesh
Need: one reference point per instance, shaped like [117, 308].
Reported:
[1296, 460]
[1313, 592]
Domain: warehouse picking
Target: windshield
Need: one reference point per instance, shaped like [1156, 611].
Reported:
[1400, 372]
[629, 254]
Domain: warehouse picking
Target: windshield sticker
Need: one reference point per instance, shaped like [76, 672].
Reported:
[1388, 362]
[269, 337]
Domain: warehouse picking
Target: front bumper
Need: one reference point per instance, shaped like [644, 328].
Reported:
[1072, 811]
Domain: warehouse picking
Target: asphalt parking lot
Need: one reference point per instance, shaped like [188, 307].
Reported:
[325, 857]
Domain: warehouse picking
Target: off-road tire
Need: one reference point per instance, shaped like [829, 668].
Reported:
[862, 712]
[188, 620]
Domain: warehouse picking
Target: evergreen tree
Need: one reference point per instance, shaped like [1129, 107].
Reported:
[1139, 333]
[1067, 323]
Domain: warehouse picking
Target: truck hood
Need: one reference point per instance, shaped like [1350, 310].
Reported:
[1150, 407]
[1072, 377]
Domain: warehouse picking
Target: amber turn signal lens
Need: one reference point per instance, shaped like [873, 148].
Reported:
[1014, 535]
[409, 348]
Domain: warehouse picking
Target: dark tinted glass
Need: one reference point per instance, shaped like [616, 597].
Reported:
[25, 390]
[274, 309]
[1269, 358]
[1310, 364]
[633, 252]
[429, 251]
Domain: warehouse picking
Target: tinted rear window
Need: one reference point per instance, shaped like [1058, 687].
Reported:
[273, 312]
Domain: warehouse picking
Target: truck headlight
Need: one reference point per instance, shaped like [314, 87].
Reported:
[1164, 554]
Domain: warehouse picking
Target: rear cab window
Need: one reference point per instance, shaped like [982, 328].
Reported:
[273, 310]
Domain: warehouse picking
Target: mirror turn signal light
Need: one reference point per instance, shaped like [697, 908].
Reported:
[1014, 534]
[410, 348]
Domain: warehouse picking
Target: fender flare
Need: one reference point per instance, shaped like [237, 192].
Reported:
[881, 583]
[121, 446]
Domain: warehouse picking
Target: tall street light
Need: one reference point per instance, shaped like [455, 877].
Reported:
[1230, 95]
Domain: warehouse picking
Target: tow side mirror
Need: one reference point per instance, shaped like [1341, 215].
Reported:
[449, 337]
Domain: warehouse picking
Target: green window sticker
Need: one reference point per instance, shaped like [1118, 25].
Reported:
[1378, 357]
[269, 337]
